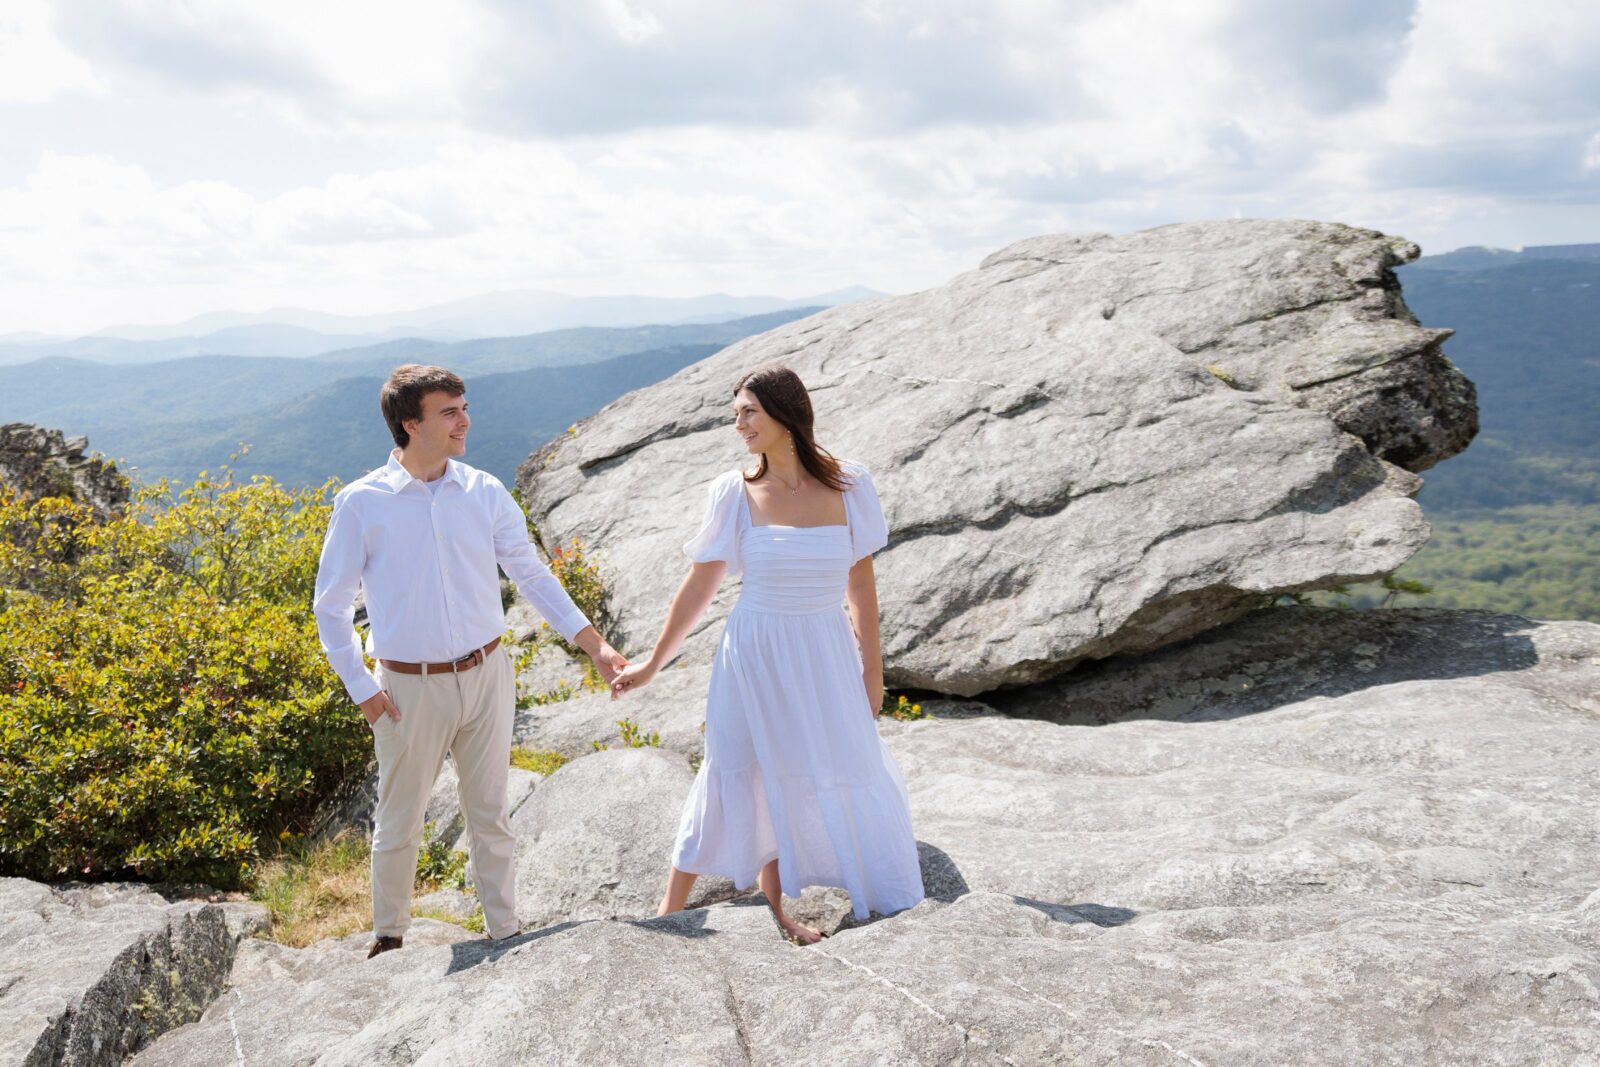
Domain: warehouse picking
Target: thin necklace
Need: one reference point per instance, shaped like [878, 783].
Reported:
[792, 490]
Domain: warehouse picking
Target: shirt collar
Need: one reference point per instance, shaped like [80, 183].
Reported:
[396, 477]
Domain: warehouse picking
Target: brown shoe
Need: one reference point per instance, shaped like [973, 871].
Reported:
[383, 944]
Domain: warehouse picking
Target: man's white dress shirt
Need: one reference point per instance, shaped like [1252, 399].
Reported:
[427, 561]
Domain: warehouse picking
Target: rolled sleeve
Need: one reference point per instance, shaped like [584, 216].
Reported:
[518, 558]
[333, 603]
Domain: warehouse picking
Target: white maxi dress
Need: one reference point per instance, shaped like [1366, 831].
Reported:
[794, 768]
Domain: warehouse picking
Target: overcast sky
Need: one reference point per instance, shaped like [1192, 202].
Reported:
[162, 158]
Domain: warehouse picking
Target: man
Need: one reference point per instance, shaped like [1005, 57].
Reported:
[423, 535]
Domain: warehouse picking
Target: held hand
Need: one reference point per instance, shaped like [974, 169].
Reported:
[609, 663]
[874, 692]
[633, 677]
[378, 705]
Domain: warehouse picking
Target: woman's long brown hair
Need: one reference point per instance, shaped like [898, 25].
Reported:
[783, 396]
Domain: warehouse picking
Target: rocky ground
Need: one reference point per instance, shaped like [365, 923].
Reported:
[1395, 864]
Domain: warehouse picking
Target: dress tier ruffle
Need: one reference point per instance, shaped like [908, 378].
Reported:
[794, 767]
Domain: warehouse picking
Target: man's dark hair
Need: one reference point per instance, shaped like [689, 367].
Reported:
[401, 396]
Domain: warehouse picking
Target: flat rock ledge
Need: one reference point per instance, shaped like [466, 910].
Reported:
[1396, 865]
[1086, 447]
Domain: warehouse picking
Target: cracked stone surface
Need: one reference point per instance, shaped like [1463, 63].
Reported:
[1086, 447]
[1315, 836]
[90, 974]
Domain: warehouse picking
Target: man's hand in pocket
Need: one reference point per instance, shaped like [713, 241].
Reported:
[378, 705]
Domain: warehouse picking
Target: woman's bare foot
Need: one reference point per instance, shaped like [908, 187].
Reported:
[799, 932]
[676, 898]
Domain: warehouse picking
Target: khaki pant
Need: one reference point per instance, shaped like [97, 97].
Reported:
[469, 716]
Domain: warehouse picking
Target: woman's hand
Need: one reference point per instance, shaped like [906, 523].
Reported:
[635, 676]
[874, 684]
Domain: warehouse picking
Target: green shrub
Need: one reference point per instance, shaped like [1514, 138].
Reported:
[168, 711]
[579, 573]
[632, 737]
[439, 866]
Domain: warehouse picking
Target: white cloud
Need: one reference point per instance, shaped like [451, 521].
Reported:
[425, 151]
[354, 60]
[34, 65]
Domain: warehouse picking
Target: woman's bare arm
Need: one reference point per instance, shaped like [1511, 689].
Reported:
[861, 594]
[694, 595]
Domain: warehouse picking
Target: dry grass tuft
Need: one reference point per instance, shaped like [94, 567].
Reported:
[537, 760]
[316, 891]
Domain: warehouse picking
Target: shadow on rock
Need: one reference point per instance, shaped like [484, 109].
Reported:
[689, 923]
[1276, 656]
[941, 879]
[1098, 914]
[468, 954]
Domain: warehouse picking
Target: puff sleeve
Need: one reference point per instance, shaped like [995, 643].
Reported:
[718, 537]
[868, 529]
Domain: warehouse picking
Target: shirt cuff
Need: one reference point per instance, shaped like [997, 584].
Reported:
[363, 688]
[571, 624]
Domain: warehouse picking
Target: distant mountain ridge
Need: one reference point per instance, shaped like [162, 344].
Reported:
[1481, 257]
[297, 332]
[308, 418]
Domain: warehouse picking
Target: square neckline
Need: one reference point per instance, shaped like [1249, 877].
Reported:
[750, 524]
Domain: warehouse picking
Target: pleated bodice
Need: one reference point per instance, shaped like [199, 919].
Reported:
[794, 570]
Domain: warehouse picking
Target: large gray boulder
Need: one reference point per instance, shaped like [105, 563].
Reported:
[595, 839]
[91, 974]
[1088, 446]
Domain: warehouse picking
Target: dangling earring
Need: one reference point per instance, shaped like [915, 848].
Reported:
[791, 445]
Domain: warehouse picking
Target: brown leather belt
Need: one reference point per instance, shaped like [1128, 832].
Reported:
[465, 663]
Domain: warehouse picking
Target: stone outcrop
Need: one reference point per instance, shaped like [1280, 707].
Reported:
[1085, 447]
[1390, 857]
[91, 974]
[38, 462]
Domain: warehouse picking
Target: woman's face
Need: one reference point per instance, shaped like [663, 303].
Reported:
[759, 431]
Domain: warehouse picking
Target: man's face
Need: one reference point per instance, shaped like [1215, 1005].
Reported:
[442, 430]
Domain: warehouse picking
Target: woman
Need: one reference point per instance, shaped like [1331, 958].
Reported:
[796, 788]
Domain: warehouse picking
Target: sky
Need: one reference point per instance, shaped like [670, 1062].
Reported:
[164, 158]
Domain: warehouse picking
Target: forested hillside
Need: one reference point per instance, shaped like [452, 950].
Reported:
[1517, 515]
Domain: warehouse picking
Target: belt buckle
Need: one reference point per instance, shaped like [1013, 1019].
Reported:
[470, 659]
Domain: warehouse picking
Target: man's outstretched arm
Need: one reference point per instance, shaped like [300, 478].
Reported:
[520, 560]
